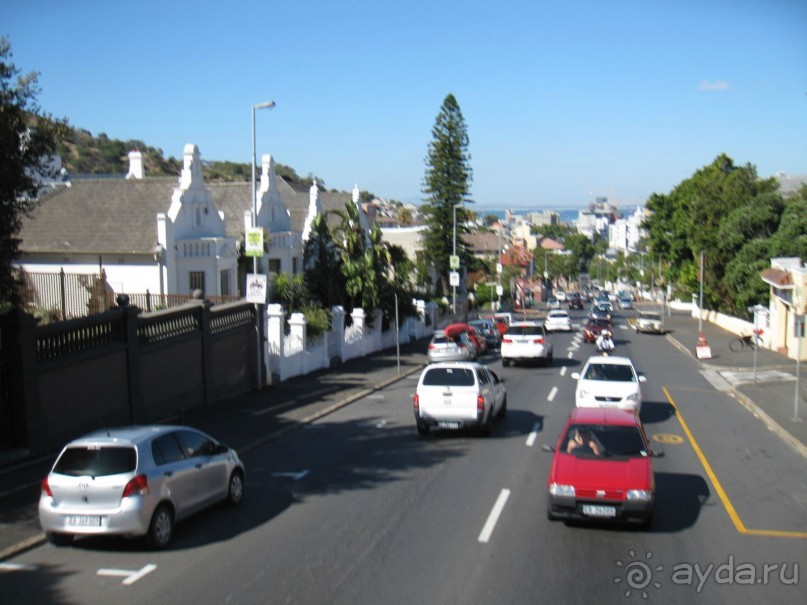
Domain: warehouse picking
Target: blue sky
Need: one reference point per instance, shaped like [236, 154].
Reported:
[564, 100]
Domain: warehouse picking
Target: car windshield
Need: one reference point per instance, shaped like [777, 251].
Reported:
[605, 440]
[525, 330]
[449, 377]
[601, 323]
[609, 371]
[652, 316]
[96, 461]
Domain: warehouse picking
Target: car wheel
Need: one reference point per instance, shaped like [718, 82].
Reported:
[423, 429]
[58, 539]
[503, 411]
[235, 491]
[161, 529]
[506, 362]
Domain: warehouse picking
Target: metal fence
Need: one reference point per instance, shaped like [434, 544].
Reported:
[60, 296]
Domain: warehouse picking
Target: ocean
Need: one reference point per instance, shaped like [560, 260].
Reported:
[567, 215]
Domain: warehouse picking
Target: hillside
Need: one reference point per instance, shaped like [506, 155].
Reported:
[83, 153]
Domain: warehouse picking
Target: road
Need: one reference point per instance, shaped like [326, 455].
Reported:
[357, 509]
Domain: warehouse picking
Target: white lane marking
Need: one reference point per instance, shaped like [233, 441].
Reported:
[375, 396]
[293, 476]
[563, 371]
[17, 567]
[131, 576]
[552, 393]
[533, 434]
[571, 355]
[493, 518]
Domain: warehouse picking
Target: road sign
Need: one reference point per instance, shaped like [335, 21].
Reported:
[454, 278]
[254, 242]
[454, 262]
[256, 288]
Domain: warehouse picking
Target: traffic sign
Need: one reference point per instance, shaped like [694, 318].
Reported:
[454, 278]
[454, 262]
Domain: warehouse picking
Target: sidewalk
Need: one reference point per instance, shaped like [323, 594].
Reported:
[244, 423]
[768, 390]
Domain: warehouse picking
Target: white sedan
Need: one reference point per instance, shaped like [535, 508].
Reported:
[558, 319]
[609, 382]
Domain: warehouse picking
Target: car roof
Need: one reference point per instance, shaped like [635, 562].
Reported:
[610, 360]
[558, 312]
[530, 323]
[128, 435]
[468, 365]
[614, 416]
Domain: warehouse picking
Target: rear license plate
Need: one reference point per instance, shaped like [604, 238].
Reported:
[599, 511]
[84, 520]
[449, 425]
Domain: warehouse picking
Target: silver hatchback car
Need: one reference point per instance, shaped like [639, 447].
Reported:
[136, 481]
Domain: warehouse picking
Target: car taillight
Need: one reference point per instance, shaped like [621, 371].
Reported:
[139, 486]
[461, 345]
[432, 347]
[508, 341]
[45, 487]
[416, 402]
[539, 341]
[480, 403]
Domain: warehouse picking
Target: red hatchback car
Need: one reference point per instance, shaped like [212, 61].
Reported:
[602, 468]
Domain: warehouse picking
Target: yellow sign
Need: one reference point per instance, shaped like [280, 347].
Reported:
[254, 241]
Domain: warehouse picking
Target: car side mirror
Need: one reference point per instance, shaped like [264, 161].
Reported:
[548, 448]
[657, 453]
[575, 375]
[642, 378]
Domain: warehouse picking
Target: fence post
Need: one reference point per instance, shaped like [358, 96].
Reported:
[208, 395]
[62, 291]
[128, 326]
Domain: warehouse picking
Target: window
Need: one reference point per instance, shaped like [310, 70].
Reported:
[225, 279]
[453, 377]
[166, 449]
[196, 280]
[195, 444]
[96, 461]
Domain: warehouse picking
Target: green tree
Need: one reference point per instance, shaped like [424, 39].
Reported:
[446, 185]
[28, 139]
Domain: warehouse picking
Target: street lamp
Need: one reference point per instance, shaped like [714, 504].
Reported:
[258, 356]
[266, 105]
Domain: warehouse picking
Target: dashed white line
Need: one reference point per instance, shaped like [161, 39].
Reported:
[533, 434]
[552, 393]
[493, 518]
[563, 371]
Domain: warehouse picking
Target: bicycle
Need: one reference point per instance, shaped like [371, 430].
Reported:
[751, 341]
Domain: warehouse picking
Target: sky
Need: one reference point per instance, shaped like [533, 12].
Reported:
[564, 101]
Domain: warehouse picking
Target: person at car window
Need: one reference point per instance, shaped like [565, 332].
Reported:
[605, 342]
[581, 443]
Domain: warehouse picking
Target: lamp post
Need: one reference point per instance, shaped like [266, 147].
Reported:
[258, 356]
[266, 105]
[454, 253]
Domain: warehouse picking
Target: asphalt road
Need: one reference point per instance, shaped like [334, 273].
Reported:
[356, 508]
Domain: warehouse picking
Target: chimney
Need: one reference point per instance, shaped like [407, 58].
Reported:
[135, 165]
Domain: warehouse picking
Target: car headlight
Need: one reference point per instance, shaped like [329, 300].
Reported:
[557, 489]
[643, 495]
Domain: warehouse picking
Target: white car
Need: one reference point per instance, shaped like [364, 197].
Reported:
[457, 395]
[526, 341]
[649, 322]
[558, 319]
[609, 382]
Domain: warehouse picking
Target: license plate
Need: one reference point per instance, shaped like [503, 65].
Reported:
[449, 425]
[84, 520]
[592, 510]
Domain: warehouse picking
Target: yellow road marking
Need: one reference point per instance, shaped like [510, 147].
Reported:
[667, 438]
[735, 518]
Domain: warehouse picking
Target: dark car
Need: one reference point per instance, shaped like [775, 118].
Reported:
[594, 326]
[489, 330]
[575, 301]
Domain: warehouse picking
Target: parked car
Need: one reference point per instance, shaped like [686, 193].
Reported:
[558, 319]
[457, 395]
[450, 348]
[552, 303]
[609, 382]
[594, 326]
[560, 295]
[649, 322]
[136, 481]
[480, 341]
[492, 335]
[526, 341]
[602, 469]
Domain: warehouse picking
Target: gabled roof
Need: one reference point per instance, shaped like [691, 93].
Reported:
[120, 216]
[481, 242]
